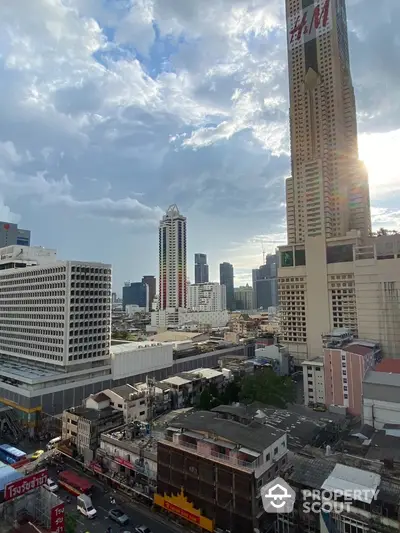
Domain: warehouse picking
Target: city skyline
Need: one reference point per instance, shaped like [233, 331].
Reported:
[92, 156]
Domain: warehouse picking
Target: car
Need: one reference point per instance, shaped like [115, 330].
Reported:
[142, 529]
[118, 516]
[51, 485]
[37, 454]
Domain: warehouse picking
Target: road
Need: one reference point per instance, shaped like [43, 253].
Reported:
[101, 503]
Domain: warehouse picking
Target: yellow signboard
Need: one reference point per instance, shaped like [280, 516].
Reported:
[180, 506]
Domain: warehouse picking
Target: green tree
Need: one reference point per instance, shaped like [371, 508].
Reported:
[205, 399]
[268, 388]
[71, 522]
[231, 393]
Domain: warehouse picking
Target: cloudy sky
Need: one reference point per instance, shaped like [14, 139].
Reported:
[110, 110]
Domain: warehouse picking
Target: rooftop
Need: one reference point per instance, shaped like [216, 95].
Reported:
[253, 435]
[170, 336]
[391, 366]
[317, 361]
[93, 414]
[132, 346]
[124, 391]
[206, 373]
[99, 397]
[358, 349]
[176, 380]
[382, 378]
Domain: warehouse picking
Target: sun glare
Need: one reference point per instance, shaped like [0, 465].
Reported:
[381, 155]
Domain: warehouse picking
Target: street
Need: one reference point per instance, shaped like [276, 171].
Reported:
[101, 503]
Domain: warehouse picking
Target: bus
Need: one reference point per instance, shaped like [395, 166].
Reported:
[53, 443]
[12, 456]
[74, 484]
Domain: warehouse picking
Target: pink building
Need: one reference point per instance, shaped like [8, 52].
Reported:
[344, 369]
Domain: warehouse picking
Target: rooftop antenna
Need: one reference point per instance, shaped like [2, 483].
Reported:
[263, 252]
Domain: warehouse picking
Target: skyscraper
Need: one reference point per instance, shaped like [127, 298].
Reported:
[226, 278]
[327, 195]
[172, 258]
[10, 234]
[200, 268]
[265, 284]
[152, 284]
[328, 192]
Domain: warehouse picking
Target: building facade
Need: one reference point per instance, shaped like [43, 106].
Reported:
[11, 234]
[226, 277]
[381, 395]
[172, 260]
[265, 284]
[137, 293]
[244, 300]
[207, 297]
[217, 462]
[314, 382]
[345, 368]
[327, 196]
[200, 269]
[151, 282]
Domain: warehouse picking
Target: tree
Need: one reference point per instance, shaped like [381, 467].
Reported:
[71, 521]
[231, 393]
[209, 398]
[268, 388]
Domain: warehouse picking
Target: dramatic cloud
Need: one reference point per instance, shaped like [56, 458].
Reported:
[111, 111]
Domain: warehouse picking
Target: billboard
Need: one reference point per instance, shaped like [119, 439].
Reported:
[57, 519]
[310, 23]
[25, 485]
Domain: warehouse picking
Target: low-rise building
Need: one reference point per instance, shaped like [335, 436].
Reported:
[83, 425]
[276, 355]
[131, 401]
[218, 465]
[314, 382]
[381, 394]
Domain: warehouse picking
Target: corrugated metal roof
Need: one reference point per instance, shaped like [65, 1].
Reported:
[358, 349]
[389, 365]
[382, 378]
[354, 480]
[7, 475]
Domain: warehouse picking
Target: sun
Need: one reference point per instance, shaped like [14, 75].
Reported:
[381, 155]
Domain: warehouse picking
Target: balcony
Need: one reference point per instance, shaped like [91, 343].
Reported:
[230, 460]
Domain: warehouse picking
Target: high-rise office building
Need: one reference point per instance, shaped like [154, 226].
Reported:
[200, 268]
[226, 278]
[136, 293]
[172, 258]
[327, 195]
[11, 234]
[265, 284]
[152, 284]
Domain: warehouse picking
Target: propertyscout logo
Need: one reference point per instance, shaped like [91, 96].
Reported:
[279, 497]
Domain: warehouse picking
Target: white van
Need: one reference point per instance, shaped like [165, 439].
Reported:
[84, 505]
[53, 443]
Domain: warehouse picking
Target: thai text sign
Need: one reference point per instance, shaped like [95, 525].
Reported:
[24, 485]
[57, 519]
[310, 23]
[182, 512]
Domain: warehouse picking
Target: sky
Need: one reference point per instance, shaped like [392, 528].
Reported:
[111, 110]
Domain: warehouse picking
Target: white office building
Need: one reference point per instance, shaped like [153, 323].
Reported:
[207, 297]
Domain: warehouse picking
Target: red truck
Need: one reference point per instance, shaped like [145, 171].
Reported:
[74, 484]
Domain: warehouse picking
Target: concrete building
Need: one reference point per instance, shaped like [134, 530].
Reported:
[132, 402]
[203, 319]
[381, 395]
[314, 382]
[200, 269]
[151, 282]
[136, 293]
[207, 297]
[172, 250]
[345, 367]
[226, 277]
[244, 300]
[275, 355]
[11, 234]
[327, 196]
[265, 284]
[83, 425]
[54, 326]
[216, 462]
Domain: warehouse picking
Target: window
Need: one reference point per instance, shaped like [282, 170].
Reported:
[275, 451]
